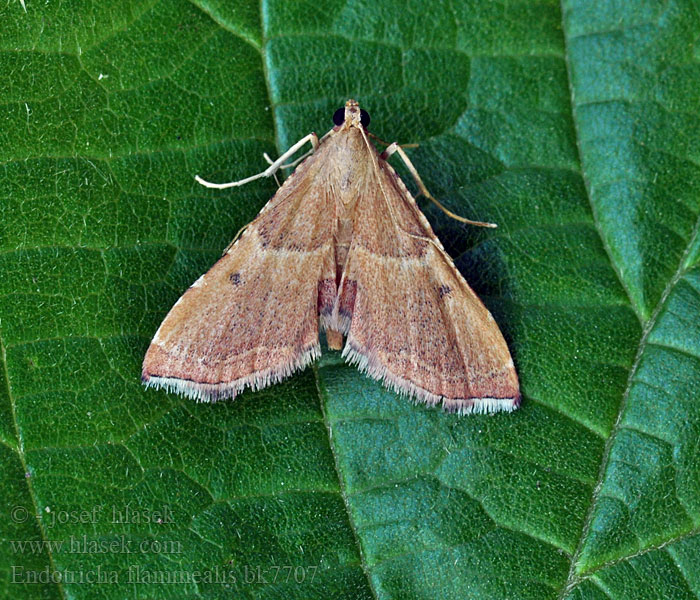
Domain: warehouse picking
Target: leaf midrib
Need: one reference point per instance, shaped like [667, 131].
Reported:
[574, 579]
[365, 567]
[326, 422]
[648, 326]
[341, 485]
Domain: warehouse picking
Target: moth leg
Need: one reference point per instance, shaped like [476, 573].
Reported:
[271, 170]
[269, 162]
[288, 165]
[423, 190]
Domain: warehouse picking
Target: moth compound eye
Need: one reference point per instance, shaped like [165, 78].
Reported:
[339, 116]
[364, 118]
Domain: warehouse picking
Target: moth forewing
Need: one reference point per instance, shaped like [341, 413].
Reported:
[414, 323]
[252, 319]
[342, 246]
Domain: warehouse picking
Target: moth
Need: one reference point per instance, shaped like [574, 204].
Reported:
[342, 246]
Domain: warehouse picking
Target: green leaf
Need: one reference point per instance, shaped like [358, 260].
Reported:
[574, 126]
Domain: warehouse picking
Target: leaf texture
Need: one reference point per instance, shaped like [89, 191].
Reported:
[574, 126]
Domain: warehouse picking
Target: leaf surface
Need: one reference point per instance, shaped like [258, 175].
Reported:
[573, 126]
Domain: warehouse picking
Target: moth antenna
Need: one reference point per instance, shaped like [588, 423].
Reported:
[235, 238]
[381, 141]
[388, 204]
[271, 170]
[437, 245]
[381, 187]
[291, 164]
[423, 190]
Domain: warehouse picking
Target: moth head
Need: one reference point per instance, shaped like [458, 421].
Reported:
[351, 116]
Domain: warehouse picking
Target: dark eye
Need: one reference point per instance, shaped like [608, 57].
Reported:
[339, 116]
[364, 118]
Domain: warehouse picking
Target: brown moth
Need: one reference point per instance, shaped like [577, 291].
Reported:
[342, 246]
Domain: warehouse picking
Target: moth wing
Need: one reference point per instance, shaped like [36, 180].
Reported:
[252, 319]
[411, 319]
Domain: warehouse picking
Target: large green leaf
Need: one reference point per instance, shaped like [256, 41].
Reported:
[575, 127]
